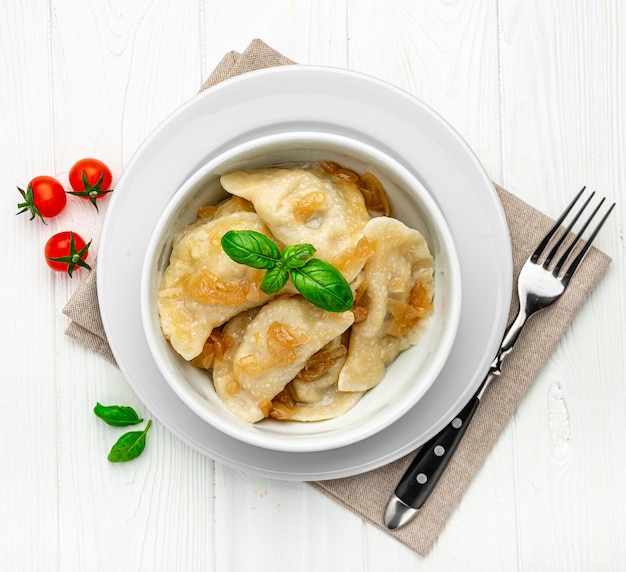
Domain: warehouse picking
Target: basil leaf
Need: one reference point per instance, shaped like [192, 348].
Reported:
[250, 248]
[129, 446]
[323, 285]
[297, 255]
[318, 281]
[274, 279]
[117, 415]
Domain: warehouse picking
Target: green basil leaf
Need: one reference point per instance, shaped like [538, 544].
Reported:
[129, 446]
[117, 415]
[297, 255]
[250, 248]
[318, 281]
[323, 285]
[274, 279]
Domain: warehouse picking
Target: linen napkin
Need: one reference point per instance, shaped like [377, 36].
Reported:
[367, 494]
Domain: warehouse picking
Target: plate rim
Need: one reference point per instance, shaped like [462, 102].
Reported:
[211, 94]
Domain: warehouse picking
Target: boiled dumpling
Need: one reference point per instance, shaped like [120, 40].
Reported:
[270, 350]
[320, 373]
[211, 212]
[241, 403]
[397, 285]
[305, 205]
[202, 287]
[313, 395]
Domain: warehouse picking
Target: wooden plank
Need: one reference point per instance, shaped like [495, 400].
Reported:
[282, 24]
[28, 480]
[118, 70]
[263, 523]
[563, 127]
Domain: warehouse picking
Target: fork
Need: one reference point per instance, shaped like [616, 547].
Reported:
[539, 285]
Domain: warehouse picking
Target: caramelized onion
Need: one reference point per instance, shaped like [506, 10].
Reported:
[361, 251]
[208, 288]
[216, 346]
[360, 308]
[282, 336]
[265, 405]
[307, 205]
[232, 387]
[346, 175]
[320, 362]
[407, 314]
[329, 166]
[207, 211]
[283, 404]
[205, 359]
[374, 194]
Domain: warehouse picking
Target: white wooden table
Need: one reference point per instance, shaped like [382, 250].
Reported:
[536, 87]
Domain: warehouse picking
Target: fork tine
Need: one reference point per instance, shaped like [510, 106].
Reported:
[557, 246]
[583, 252]
[576, 240]
[544, 243]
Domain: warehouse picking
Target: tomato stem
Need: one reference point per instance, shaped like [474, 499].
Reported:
[29, 204]
[91, 192]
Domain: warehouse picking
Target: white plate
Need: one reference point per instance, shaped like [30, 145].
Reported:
[300, 98]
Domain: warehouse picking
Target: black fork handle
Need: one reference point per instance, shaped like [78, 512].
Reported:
[432, 459]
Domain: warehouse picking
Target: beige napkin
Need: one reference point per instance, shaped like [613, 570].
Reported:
[367, 494]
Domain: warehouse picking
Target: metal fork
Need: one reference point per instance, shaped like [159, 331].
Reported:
[539, 285]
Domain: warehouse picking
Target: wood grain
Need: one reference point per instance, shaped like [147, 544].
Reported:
[535, 88]
[28, 425]
[560, 121]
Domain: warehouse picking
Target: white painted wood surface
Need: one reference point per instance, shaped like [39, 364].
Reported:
[537, 89]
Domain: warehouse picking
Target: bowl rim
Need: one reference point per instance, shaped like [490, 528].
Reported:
[339, 437]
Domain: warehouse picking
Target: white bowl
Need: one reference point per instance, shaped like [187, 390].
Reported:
[409, 376]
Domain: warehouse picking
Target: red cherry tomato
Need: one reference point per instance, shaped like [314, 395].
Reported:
[65, 251]
[91, 179]
[44, 197]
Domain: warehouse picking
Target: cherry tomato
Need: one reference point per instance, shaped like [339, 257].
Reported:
[91, 179]
[65, 251]
[44, 197]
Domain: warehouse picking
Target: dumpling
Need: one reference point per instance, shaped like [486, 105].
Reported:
[313, 395]
[211, 212]
[305, 205]
[320, 372]
[202, 287]
[396, 295]
[241, 403]
[269, 352]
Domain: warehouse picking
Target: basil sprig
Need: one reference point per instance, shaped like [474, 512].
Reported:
[318, 281]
